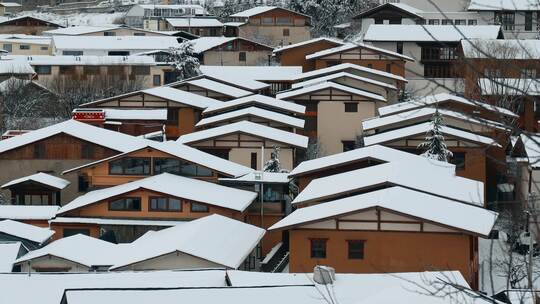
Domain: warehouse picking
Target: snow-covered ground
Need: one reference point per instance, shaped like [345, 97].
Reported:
[96, 19]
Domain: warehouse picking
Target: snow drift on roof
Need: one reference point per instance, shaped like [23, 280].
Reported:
[26, 231]
[276, 105]
[254, 11]
[473, 219]
[329, 85]
[253, 112]
[183, 97]
[174, 185]
[247, 127]
[9, 252]
[134, 114]
[8, 66]
[420, 33]
[42, 178]
[22, 212]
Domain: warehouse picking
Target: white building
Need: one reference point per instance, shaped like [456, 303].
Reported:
[110, 45]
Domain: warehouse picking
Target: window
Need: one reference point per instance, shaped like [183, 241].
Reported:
[439, 70]
[8, 47]
[83, 182]
[435, 53]
[399, 47]
[139, 34]
[44, 48]
[528, 21]
[66, 69]
[36, 199]
[318, 248]
[528, 73]
[43, 69]
[242, 56]
[156, 80]
[506, 19]
[284, 20]
[91, 70]
[165, 204]
[446, 22]
[196, 207]
[126, 204]
[109, 34]
[472, 22]
[268, 20]
[254, 160]
[460, 22]
[140, 70]
[286, 32]
[433, 22]
[73, 231]
[420, 21]
[379, 21]
[370, 65]
[348, 145]
[87, 151]
[356, 249]
[351, 107]
[24, 46]
[179, 167]
[39, 150]
[492, 73]
[72, 53]
[172, 116]
[458, 159]
[388, 68]
[130, 166]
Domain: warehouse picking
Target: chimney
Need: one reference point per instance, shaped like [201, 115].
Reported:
[324, 275]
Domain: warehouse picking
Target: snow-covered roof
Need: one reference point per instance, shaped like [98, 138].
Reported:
[240, 82]
[174, 185]
[27, 39]
[329, 85]
[259, 10]
[259, 73]
[338, 75]
[8, 66]
[184, 152]
[83, 60]
[425, 114]
[374, 152]
[218, 87]
[204, 44]
[81, 29]
[503, 5]
[23, 212]
[353, 45]
[135, 114]
[194, 22]
[208, 238]
[276, 105]
[344, 67]
[531, 143]
[422, 129]
[509, 86]
[10, 4]
[199, 9]
[400, 6]
[99, 136]
[258, 177]
[507, 49]
[79, 248]
[9, 252]
[308, 42]
[394, 173]
[114, 221]
[253, 112]
[33, 17]
[26, 231]
[432, 100]
[41, 178]
[449, 213]
[439, 33]
[247, 127]
[114, 42]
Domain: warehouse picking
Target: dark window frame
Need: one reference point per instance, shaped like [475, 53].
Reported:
[168, 208]
[149, 159]
[356, 253]
[125, 198]
[318, 251]
[350, 107]
[191, 204]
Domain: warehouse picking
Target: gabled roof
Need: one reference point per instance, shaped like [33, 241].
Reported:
[218, 87]
[262, 101]
[9, 252]
[251, 73]
[344, 67]
[114, 42]
[207, 238]
[250, 128]
[238, 82]
[194, 22]
[422, 129]
[442, 211]
[10, 20]
[166, 92]
[10, 66]
[41, 178]
[253, 112]
[374, 152]
[82, 29]
[261, 9]
[80, 249]
[425, 179]
[110, 139]
[425, 114]
[432, 100]
[430, 33]
[334, 41]
[203, 44]
[353, 45]
[184, 152]
[23, 212]
[505, 49]
[174, 185]
[26, 231]
[503, 5]
[329, 85]
[338, 75]
[413, 12]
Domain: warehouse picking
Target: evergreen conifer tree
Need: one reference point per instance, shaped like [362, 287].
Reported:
[434, 146]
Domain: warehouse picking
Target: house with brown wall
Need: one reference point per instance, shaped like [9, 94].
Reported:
[231, 51]
[295, 54]
[269, 25]
[106, 30]
[26, 25]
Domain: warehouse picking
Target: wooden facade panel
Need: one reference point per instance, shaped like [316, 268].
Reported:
[401, 226]
[329, 224]
[358, 226]
[367, 215]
